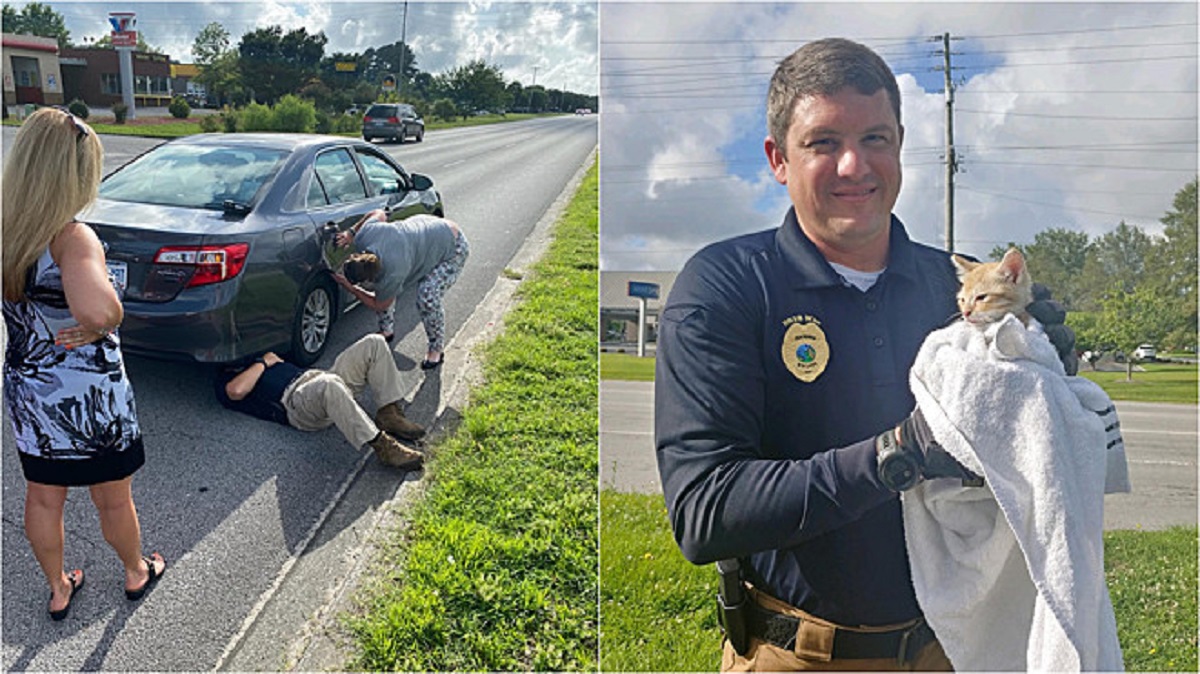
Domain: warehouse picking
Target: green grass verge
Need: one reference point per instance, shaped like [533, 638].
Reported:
[1160, 383]
[626, 367]
[496, 570]
[658, 612]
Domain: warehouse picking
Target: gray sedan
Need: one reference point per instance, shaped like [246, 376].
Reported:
[224, 243]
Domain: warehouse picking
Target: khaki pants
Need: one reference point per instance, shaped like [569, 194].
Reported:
[319, 399]
[813, 641]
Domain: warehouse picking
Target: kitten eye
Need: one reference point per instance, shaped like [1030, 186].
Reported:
[981, 297]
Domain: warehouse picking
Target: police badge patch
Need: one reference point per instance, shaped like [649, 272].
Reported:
[805, 350]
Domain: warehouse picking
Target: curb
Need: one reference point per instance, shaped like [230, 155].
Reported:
[296, 624]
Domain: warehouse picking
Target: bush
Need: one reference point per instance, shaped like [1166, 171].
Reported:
[210, 123]
[443, 109]
[79, 109]
[120, 111]
[347, 124]
[294, 114]
[230, 119]
[179, 108]
[325, 122]
[257, 117]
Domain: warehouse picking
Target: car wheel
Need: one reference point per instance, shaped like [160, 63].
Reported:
[314, 318]
[420, 135]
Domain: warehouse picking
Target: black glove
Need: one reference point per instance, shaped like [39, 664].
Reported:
[916, 456]
[1052, 315]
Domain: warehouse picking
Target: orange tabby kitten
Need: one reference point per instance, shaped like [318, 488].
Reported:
[990, 290]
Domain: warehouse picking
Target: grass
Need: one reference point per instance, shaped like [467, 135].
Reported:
[1160, 383]
[658, 611]
[1152, 583]
[496, 570]
[627, 367]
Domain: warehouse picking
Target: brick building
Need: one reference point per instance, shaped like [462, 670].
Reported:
[31, 70]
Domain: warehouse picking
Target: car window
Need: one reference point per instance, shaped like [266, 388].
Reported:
[194, 176]
[339, 177]
[382, 176]
[382, 111]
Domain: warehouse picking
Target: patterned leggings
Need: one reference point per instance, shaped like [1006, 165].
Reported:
[430, 290]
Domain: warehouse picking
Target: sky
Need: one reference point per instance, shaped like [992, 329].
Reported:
[1076, 116]
[547, 43]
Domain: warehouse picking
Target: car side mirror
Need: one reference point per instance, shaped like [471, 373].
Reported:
[421, 182]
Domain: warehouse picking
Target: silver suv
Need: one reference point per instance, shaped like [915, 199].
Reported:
[397, 121]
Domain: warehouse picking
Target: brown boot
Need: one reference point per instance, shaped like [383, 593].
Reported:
[392, 453]
[391, 419]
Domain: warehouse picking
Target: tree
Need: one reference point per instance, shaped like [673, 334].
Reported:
[1132, 318]
[276, 63]
[1120, 254]
[211, 44]
[387, 60]
[475, 86]
[1175, 263]
[1056, 259]
[37, 19]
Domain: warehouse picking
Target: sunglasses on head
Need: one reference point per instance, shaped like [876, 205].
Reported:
[80, 129]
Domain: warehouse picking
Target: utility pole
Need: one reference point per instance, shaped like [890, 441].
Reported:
[951, 156]
[403, 50]
[530, 104]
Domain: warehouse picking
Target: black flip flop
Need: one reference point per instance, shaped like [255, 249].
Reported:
[75, 587]
[134, 595]
[429, 364]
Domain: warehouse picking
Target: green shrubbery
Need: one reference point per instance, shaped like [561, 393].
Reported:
[444, 109]
[179, 108]
[294, 114]
[79, 109]
[291, 114]
[120, 112]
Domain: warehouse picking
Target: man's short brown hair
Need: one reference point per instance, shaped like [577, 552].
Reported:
[823, 68]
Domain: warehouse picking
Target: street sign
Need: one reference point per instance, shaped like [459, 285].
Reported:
[642, 289]
[389, 83]
[345, 66]
[124, 28]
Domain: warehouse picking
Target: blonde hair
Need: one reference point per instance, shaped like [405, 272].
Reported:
[51, 173]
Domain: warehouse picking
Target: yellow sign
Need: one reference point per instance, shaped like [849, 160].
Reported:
[805, 351]
[345, 66]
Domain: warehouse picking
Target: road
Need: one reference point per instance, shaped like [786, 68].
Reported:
[239, 506]
[1160, 446]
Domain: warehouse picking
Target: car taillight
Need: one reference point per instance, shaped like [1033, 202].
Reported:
[393, 120]
[212, 264]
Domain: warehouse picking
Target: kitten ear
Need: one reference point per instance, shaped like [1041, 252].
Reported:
[963, 265]
[1012, 265]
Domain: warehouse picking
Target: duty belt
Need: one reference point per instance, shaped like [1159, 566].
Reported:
[903, 643]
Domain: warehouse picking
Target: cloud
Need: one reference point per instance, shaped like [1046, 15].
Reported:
[683, 88]
[517, 36]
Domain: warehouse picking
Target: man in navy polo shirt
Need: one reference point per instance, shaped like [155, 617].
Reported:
[783, 361]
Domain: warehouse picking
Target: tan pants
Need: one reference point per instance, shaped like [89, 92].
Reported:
[322, 398]
[813, 639]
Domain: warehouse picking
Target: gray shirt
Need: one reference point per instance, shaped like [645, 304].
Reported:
[408, 250]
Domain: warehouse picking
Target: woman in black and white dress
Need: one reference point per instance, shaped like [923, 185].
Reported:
[65, 388]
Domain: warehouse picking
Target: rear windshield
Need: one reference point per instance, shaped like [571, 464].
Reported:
[382, 111]
[194, 176]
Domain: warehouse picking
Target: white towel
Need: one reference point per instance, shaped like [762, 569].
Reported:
[1011, 576]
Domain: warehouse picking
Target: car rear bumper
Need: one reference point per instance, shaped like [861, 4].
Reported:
[201, 325]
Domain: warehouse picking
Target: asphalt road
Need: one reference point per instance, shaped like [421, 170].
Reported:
[1160, 447]
[234, 503]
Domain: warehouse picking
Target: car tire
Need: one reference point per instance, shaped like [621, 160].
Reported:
[420, 135]
[313, 322]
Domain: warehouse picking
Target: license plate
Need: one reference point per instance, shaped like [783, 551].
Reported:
[120, 274]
